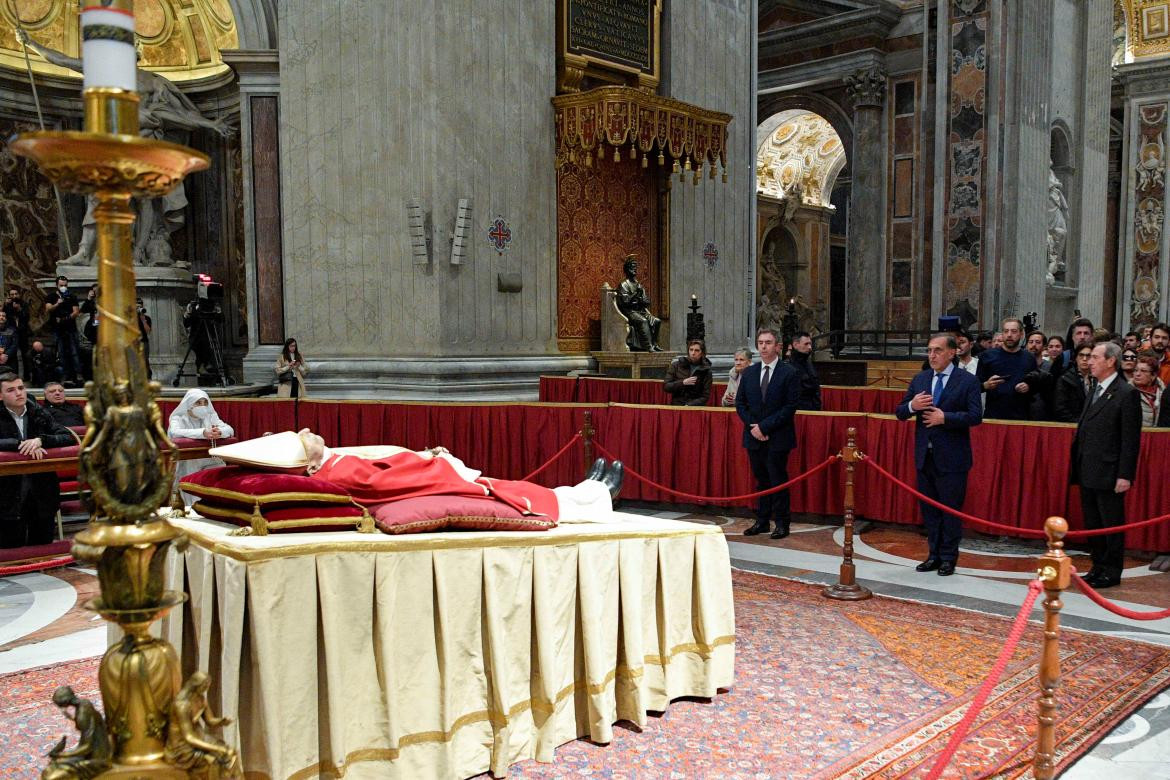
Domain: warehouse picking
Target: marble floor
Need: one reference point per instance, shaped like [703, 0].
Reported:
[42, 621]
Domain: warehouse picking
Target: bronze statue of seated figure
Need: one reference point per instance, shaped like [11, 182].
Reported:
[634, 303]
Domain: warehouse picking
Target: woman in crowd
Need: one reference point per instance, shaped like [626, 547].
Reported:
[195, 418]
[1150, 389]
[1129, 361]
[1072, 387]
[290, 371]
[688, 380]
[743, 359]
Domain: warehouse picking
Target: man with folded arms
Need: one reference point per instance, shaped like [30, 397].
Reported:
[945, 402]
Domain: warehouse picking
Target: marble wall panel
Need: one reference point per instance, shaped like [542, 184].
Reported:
[436, 102]
[966, 163]
[1149, 197]
[266, 218]
[710, 64]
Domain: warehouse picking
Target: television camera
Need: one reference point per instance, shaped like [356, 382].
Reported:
[203, 322]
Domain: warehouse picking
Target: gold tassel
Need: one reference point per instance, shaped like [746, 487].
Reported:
[724, 175]
[600, 150]
[676, 168]
[698, 175]
[617, 157]
[588, 161]
[633, 151]
[712, 170]
[645, 162]
[259, 525]
[688, 164]
[661, 158]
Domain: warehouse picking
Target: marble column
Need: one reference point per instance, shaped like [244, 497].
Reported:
[259, 79]
[866, 279]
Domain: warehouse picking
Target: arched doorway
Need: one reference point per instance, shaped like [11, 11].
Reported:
[799, 158]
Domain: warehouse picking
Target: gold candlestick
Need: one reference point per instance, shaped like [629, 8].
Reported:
[154, 725]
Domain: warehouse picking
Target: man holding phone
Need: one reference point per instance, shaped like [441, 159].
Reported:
[688, 380]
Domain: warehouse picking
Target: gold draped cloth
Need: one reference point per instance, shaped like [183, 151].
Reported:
[450, 654]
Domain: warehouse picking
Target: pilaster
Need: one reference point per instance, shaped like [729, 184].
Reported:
[865, 277]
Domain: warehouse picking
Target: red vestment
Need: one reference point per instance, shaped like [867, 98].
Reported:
[407, 475]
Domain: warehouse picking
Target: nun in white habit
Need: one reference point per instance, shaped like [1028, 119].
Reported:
[195, 418]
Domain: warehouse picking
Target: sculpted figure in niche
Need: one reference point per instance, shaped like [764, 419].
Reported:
[634, 303]
[164, 113]
[1057, 227]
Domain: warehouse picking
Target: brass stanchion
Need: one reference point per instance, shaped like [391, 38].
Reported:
[846, 587]
[154, 726]
[1056, 573]
[587, 434]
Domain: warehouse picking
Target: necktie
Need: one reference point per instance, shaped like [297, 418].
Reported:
[936, 392]
[765, 380]
[1097, 394]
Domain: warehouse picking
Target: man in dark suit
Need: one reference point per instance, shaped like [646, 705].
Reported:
[945, 401]
[1104, 460]
[769, 392]
[28, 503]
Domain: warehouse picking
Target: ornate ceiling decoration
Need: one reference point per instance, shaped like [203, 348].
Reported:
[1146, 26]
[800, 159]
[180, 39]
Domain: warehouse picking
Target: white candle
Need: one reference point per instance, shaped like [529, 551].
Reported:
[108, 56]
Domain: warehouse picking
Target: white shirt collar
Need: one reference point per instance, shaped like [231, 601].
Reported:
[20, 419]
[1104, 383]
[771, 365]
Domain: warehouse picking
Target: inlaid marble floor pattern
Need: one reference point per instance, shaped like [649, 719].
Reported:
[42, 621]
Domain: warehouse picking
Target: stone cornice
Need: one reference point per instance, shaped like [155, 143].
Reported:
[818, 73]
[1145, 76]
[864, 22]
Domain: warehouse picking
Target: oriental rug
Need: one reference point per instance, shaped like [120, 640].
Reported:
[823, 690]
[872, 689]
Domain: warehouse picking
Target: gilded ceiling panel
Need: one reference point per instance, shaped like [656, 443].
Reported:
[181, 39]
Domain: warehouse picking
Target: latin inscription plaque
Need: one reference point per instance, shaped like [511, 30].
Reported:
[619, 32]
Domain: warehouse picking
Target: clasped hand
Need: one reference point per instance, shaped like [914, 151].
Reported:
[32, 448]
[932, 416]
[757, 433]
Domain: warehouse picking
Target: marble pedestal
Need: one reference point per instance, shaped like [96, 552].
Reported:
[634, 365]
[164, 293]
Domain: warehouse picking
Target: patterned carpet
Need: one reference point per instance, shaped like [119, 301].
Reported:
[823, 690]
[872, 689]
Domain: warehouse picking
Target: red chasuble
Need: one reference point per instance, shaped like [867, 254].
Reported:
[406, 475]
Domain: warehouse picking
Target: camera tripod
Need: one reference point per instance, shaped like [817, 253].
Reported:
[206, 326]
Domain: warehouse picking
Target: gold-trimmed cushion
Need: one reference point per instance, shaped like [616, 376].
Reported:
[244, 487]
[453, 513]
[318, 517]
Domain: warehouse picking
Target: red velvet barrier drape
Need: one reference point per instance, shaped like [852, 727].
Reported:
[558, 389]
[860, 399]
[602, 390]
[1019, 478]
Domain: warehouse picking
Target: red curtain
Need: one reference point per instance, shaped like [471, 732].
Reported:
[558, 389]
[859, 399]
[250, 417]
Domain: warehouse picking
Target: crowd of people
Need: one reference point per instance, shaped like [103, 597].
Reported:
[70, 323]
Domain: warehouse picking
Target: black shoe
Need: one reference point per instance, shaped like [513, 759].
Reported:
[613, 477]
[1106, 582]
[946, 568]
[596, 470]
[758, 527]
[780, 532]
[930, 564]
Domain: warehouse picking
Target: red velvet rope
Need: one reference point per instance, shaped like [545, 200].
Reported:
[8, 571]
[1101, 601]
[1009, 647]
[553, 459]
[719, 499]
[1038, 533]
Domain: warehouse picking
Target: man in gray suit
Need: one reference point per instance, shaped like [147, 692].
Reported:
[1104, 460]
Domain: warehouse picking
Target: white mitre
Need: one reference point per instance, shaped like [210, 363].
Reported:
[279, 450]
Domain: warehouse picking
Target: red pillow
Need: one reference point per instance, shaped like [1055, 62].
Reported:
[439, 513]
[319, 517]
[244, 487]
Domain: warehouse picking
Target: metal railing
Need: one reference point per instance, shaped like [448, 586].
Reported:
[874, 344]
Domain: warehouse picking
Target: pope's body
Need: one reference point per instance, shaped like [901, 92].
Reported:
[375, 475]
